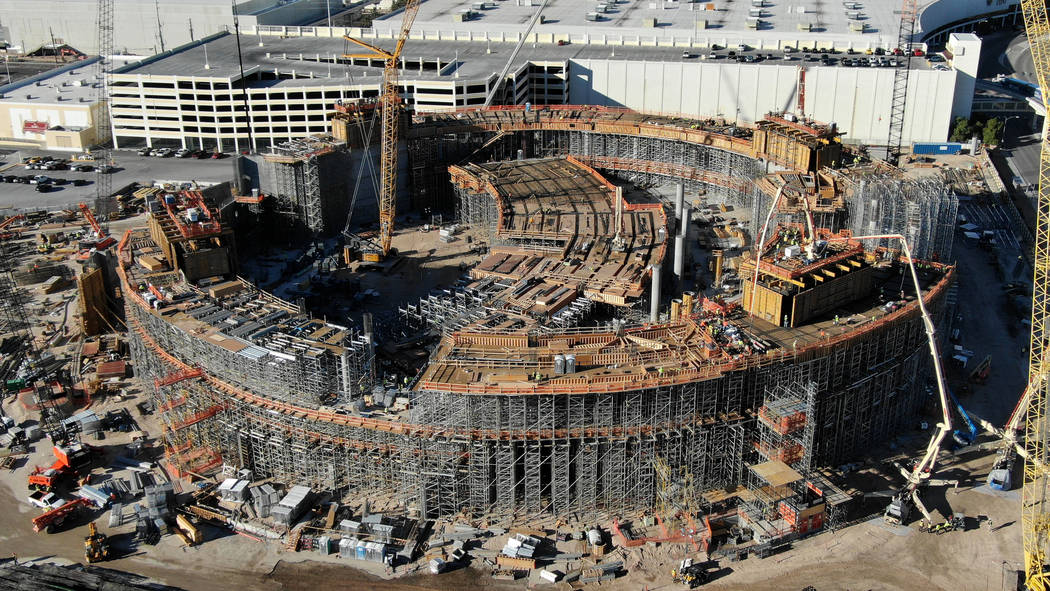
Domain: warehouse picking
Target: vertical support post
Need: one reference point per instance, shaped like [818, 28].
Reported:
[619, 210]
[718, 266]
[654, 304]
[679, 201]
[679, 258]
[681, 242]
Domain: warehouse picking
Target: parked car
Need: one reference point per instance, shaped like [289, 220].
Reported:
[43, 187]
[10, 178]
[40, 179]
[59, 181]
[164, 152]
[217, 155]
[145, 151]
[81, 167]
[183, 153]
[105, 168]
[80, 182]
[45, 500]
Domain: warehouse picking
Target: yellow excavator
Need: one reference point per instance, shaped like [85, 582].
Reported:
[96, 545]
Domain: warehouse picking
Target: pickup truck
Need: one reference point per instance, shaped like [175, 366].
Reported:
[45, 500]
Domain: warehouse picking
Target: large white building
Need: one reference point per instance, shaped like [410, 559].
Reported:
[145, 27]
[653, 56]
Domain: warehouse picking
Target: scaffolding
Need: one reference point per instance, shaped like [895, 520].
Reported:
[309, 181]
[629, 145]
[923, 210]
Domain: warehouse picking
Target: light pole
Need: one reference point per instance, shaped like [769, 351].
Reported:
[1002, 134]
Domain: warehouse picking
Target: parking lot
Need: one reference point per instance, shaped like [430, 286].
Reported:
[827, 57]
[129, 167]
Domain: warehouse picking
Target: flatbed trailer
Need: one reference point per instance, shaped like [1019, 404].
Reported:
[55, 517]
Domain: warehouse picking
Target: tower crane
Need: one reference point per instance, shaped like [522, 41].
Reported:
[1035, 492]
[103, 154]
[390, 101]
[898, 103]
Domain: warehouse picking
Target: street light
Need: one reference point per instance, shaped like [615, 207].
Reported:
[1002, 134]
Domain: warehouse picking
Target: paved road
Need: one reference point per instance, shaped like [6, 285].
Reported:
[131, 168]
[1006, 53]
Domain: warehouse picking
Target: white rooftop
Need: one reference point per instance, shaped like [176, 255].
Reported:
[678, 19]
[70, 85]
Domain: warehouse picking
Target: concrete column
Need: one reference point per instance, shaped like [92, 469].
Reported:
[654, 304]
[679, 257]
[679, 201]
[681, 241]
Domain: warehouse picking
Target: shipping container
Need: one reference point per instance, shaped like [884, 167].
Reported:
[937, 148]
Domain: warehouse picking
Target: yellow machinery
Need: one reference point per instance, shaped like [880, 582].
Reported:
[96, 545]
[391, 104]
[1035, 494]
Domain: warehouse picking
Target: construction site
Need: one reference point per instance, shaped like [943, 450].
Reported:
[553, 346]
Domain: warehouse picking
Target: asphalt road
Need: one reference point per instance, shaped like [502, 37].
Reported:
[130, 168]
[1006, 53]
[1009, 54]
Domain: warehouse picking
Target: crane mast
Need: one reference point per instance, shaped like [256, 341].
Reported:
[103, 155]
[1035, 504]
[390, 103]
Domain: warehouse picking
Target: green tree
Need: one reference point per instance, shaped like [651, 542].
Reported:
[962, 131]
[993, 129]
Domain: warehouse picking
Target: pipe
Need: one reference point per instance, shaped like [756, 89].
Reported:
[676, 309]
[654, 302]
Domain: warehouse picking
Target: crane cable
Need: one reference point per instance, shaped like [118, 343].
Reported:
[506, 67]
[366, 158]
